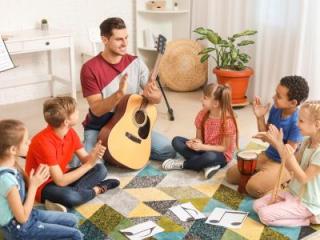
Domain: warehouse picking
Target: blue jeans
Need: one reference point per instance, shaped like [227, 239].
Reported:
[161, 148]
[77, 193]
[45, 225]
[197, 160]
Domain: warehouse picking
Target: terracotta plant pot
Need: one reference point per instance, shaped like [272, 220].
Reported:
[238, 81]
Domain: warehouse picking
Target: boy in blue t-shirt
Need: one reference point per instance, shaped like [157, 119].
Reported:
[291, 91]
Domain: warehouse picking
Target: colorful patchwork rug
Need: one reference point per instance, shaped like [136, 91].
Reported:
[149, 193]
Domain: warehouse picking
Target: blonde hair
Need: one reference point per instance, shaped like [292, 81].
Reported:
[57, 110]
[314, 108]
[222, 94]
[11, 134]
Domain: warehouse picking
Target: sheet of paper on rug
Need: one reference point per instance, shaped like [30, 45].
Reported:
[5, 59]
[187, 212]
[227, 218]
[142, 230]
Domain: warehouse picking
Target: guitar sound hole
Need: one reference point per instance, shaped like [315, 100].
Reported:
[140, 117]
[144, 130]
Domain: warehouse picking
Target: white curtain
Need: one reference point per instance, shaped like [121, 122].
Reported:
[286, 43]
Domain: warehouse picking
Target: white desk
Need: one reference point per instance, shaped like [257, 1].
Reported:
[37, 41]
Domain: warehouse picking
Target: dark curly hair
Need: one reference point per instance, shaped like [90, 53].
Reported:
[297, 86]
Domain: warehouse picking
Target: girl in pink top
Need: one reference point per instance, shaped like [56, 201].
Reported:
[216, 136]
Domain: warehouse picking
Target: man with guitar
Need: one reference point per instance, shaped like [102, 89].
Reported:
[107, 77]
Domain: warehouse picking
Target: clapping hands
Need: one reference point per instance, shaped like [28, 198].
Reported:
[260, 110]
[195, 144]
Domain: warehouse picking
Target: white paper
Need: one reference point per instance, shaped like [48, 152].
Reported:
[227, 218]
[5, 59]
[187, 212]
[142, 230]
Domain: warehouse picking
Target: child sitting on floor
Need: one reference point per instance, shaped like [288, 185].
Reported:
[290, 92]
[216, 135]
[55, 146]
[18, 219]
[300, 206]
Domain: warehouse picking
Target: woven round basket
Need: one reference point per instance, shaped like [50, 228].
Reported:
[180, 67]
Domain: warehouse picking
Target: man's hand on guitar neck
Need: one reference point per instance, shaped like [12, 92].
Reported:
[152, 92]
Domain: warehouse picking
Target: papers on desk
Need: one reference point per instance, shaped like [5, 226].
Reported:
[142, 230]
[227, 218]
[187, 212]
[5, 59]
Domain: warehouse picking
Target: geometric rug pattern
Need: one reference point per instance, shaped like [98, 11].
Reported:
[145, 196]
[149, 193]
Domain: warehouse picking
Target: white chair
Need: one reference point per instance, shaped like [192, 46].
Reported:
[96, 44]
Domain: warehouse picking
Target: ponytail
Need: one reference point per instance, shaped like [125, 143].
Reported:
[223, 95]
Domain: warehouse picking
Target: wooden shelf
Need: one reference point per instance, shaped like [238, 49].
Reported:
[163, 11]
[172, 24]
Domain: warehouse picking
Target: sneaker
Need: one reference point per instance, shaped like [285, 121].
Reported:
[210, 171]
[54, 206]
[172, 164]
[108, 184]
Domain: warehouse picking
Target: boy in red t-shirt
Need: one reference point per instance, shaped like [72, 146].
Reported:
[55, 146]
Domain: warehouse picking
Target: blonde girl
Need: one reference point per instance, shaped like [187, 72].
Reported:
[18, 218]
[300, 205]
[216, 135]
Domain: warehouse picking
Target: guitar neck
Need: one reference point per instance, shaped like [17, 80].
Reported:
[155, 69]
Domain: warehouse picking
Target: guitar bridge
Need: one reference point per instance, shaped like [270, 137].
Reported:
[133, 138]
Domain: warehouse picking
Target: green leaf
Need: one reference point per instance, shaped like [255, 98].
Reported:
[245, 42]
[224, 42]
[245, 33]
[249, 32]
[231, 39]
[204, 58]
[234, 54]
[225, 59]
[206, 50]
[201, 38]
[213, 37]
[201, 31]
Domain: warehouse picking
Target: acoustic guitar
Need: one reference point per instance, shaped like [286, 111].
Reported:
[127, 135]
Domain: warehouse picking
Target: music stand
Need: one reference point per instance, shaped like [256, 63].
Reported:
[6, 62]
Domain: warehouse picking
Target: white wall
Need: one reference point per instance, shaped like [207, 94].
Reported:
[76, 16]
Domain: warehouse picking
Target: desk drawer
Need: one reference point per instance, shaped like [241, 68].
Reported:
[46, 44]
[14, 47]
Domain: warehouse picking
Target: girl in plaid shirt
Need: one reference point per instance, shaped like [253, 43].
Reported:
[216, 135]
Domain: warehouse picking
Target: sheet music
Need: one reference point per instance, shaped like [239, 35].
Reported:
[187, 212]
[142, 230]
[5, 59]
[227, 218]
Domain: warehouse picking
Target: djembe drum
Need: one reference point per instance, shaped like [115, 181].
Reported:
[247, 163]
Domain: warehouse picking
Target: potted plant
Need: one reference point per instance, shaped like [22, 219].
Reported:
[230, 61]
[44, 25]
